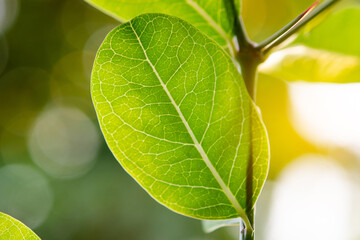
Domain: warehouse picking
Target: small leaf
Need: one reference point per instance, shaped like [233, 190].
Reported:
[213, 18]
[212, 225]
[330, 52]
[12, 229]
[175, 112]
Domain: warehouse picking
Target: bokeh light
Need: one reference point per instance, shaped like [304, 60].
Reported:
[92, 45]
[8, 14]
[68, 77]
[327, 114]
[3, 53]
[58, 176]
[64, 142]
[312, 200]
[25, 194]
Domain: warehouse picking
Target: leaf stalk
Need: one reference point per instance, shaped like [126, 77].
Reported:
[294, 26]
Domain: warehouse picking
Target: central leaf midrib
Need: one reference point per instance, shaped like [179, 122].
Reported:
[200, 149]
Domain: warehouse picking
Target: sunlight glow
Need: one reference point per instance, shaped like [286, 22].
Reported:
[64, 142]
[312, 201]
[25, 194]
[327, 114]
[8, 14]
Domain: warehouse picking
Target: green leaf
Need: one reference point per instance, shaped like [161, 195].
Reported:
[301, 63]
[212, 225]
[330, 52]
[12, 229]
[214, 18]
[175, 112]
[338, 33]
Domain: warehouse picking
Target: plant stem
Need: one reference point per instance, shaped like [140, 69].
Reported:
[245, 234]
[271, 39]
[239, 28]
[249, 62]
[249, 59]
[249, 56]
[294, 26]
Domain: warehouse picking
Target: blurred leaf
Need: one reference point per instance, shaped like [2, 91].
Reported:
[313, 65]
[176, 114]
[330, 52]
[12, 229]
[286, 144]
[211, 17]
[339, 33]
[212, 225]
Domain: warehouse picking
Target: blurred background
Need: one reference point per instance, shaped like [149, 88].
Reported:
[59, 178]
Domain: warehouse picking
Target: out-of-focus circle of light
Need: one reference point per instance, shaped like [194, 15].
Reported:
[8, 13]
[3, 54]
[91, 47]
[262, 210]
[327, 113]
[312, 200]
[25, 194]
[64, 142]
[68, 79]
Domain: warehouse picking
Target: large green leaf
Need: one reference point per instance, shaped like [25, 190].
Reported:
[213, 18]
[176, 114]
[12, 229]
[330, 52]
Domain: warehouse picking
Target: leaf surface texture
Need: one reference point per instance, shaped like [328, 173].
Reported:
[175, 112]
[214, 18]
[12, 229]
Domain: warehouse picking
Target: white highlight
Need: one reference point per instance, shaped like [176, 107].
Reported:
[327, 114]
[64, 142]
[311, 201]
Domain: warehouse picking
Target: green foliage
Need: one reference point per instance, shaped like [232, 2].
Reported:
[175, 112]
[214, 18]
[174, 109]
[12, 229]
[339, 33]
[330, 52]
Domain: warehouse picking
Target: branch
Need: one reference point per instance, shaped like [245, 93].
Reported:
[294, 26]
[239, 28]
